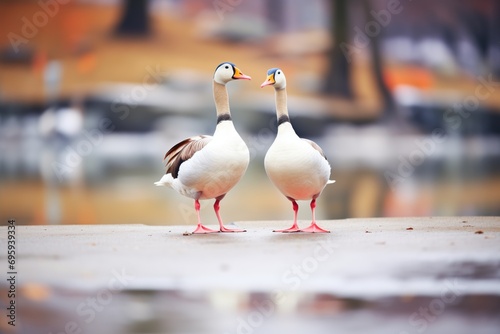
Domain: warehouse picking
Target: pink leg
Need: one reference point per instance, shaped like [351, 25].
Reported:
[314, 228]
[295, 227]
[200, 229]
[221, 224]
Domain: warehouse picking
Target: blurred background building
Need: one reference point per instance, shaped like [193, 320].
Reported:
[403, 96]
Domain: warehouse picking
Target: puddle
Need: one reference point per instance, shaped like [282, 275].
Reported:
[227, 312]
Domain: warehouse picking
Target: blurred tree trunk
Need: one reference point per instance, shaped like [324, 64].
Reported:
[338, 74]
[494, 40]
[275, 10]
[135, 19]
[388, 103]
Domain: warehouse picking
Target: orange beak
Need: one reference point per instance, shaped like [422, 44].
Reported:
[239, 75]
[269, 81]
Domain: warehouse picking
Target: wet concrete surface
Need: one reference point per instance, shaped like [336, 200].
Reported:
[399, 275]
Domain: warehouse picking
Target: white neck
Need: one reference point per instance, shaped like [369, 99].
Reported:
[221, 99]
[281, 103]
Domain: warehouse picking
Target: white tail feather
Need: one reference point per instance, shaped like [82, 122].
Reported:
[330, 181]
[165, 181]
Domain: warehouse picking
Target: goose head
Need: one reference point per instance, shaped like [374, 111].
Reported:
[226, 72]
[276, 77]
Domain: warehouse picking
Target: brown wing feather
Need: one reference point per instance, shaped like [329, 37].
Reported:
[183, 151]
[315, 146]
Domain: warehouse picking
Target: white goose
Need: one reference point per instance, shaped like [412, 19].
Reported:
[206, 167]
[296, 166]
